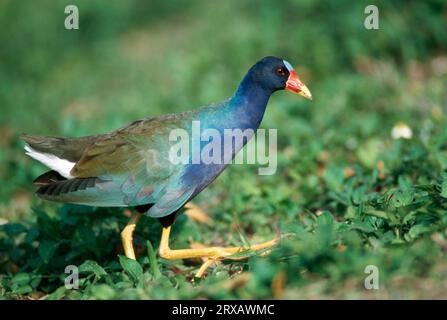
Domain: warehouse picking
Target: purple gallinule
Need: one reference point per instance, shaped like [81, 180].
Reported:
[131, 167]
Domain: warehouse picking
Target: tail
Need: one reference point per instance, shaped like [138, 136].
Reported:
[57, 153]
[60, 155]
[47, 178]
[69, 149]
[65, 187]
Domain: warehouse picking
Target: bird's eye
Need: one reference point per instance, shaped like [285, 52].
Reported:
[280, 71]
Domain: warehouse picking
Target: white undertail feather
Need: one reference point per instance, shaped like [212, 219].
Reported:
[62, 166]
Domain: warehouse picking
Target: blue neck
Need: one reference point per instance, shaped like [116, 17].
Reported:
[248, 103]
[244, 110]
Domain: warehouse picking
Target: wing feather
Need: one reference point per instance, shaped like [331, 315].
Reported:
[132, 165]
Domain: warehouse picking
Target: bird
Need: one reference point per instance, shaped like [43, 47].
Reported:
[132, 166]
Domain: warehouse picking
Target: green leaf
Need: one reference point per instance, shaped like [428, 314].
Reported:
[155, 270]
[350, 212]
[363, 226]
[326, 219]
[409, 216]
[36, 281]
[403, 198]
[417, 230]
[90, 266]
[334, 178]
[444, 189]
[21, 279]
[103, 292]
[46, 250]
[14, 228]
[368, 152]
[377, 213]
[23, 289]
[404, 183]
[58, 294]
[132, 267]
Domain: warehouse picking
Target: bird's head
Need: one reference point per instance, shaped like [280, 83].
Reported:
[277, 74]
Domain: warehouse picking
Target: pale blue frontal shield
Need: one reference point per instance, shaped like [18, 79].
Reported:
[288, 65]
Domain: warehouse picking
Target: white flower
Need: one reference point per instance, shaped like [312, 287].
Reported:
[401, 130]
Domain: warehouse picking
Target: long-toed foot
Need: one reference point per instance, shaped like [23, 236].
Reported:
[212, 254]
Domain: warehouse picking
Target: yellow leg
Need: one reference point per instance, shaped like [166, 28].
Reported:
[127, 235]
[213, 253]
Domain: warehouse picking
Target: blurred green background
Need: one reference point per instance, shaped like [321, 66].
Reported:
[350, 193]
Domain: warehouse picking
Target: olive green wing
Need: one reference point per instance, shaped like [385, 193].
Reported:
[133, 168]
[139, 148]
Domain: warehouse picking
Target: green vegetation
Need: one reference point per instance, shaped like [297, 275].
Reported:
[350, 194]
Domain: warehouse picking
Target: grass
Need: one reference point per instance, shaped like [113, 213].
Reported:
[349, 193]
